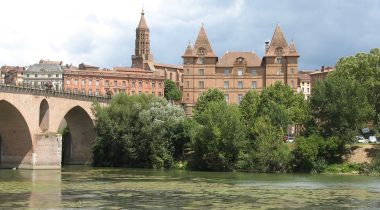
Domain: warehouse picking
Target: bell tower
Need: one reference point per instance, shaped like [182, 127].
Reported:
[142, 45]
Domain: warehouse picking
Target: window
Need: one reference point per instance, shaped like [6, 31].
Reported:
[188, 84]
[159, 85]
[292, 84]
[308, 90]
[67, 82]
[97, 92]
[201, 60]
[240, 72]
[240, 97]
[133, 92]
[90, 82]
[115, 83]
[115, 90]
[292, 70]
[27, 75]
[153, 85]
[254, 72]
[90, 92]
[188, 72]
[279, 71]
[75, 90]
[140, 84]
[227, 97]
[76, 81]
[57, 75]
[254, 85]
[83, 82]
[226, 72]
[49, 75]
[140, 92]
[171, 76]
[159, 94]
[133, 84]
[201, 72]
[106, 83]
[240, 84]
[226, 84]
[35, 75]
[97, 83]
[187, 97]
[67, 90]
[124, 84]
[83, 92]
[278, 60]
[201, 84]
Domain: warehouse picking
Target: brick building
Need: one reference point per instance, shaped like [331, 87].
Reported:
[12, 75]
[90, 80]
[237, 72]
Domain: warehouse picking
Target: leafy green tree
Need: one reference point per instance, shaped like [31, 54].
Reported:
[340, 107]
[137, 131]
[171, 91]
[218, 138]
[269, 154]
[365, 69]
[205, 98]
[249, 107]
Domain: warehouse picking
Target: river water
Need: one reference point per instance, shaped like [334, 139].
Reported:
[87, 187]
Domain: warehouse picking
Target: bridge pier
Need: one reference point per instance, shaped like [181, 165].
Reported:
[47, 152]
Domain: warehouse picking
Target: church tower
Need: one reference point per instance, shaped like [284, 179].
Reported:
[142, 45]
[281, 61]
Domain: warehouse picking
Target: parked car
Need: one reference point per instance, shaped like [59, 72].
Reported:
[360, 139]
[372, 139]
[290, 139]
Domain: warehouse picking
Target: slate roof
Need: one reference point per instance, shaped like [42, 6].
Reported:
[41, 67]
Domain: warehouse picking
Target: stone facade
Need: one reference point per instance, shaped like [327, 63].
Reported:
[43, 73]
[237, 72]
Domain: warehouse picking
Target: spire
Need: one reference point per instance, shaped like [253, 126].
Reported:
[189, 51]
[142, 23]
[202, 42]
[278, 39]
[292, 48]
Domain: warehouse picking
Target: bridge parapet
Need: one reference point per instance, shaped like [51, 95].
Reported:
[44, 92]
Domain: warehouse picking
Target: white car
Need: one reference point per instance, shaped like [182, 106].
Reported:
[372, 139]
[360, 139]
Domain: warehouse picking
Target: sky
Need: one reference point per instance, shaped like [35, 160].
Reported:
[102, 32]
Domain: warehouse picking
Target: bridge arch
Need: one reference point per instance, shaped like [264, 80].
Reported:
[16, 140]
[78, 137]
[44, 115]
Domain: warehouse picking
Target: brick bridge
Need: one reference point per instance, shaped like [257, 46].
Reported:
[31, 124]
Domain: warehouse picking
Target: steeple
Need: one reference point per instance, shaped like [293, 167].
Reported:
[142, 23]
[278, 45]
[189, 51]
[142, 44]
[292, 49]
[202, 45]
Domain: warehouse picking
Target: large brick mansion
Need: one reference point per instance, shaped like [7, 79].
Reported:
[237, 72]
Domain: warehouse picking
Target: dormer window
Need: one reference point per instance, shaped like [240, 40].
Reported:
[279, 51]
[201, 51]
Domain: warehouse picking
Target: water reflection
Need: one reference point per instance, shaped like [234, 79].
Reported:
[135, 188]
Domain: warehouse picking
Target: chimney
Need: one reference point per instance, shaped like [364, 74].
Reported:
[266, 46]
[323, 69]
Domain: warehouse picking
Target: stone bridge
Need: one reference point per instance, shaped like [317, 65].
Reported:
[32, 122]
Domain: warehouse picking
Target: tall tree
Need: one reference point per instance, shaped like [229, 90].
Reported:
[171, 91]
[205, 98]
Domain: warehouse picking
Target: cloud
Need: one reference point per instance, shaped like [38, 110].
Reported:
[103, 32]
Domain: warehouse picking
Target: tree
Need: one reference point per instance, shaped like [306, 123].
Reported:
[206, 98]
[340, 107]
[249, 107]
[365, 69]
[218, 138]
[171, 91]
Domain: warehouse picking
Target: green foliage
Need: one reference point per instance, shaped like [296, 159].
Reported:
[340, 107]
[218, 137]
[138, 131]
[171, 91]
[205, 98]
[269, 154]
[314, 152]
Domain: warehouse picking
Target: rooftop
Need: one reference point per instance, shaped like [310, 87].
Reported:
[229, 58]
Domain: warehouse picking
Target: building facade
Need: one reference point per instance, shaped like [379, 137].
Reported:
[237, 72]
[320, 74]
[304, 84]
[89, 80]
[12, 75]
[45, 73]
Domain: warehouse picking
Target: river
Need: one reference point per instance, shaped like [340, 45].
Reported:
[87, 187]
